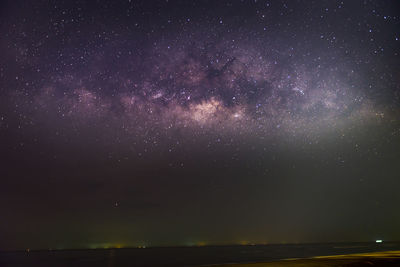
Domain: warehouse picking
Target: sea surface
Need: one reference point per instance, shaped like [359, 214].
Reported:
[184, 256]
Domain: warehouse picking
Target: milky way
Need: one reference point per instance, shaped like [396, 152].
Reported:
[204, 79]
[183, 95]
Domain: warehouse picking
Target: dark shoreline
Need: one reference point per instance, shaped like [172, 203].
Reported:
[384, 258]
[187, 256]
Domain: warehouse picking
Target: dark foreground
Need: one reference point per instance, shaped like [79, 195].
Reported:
[386, 258]
[260, 255]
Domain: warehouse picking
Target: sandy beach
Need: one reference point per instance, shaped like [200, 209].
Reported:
[385, 258]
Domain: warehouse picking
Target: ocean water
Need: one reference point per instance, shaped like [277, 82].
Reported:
[184, 256]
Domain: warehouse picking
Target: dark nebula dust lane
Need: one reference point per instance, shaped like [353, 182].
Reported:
[198, 122]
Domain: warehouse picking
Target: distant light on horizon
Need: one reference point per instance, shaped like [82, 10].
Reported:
[378, 241]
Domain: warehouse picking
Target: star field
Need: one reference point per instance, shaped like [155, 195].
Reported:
[147, 107]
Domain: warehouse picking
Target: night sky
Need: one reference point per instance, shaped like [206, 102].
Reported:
[163, 123]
